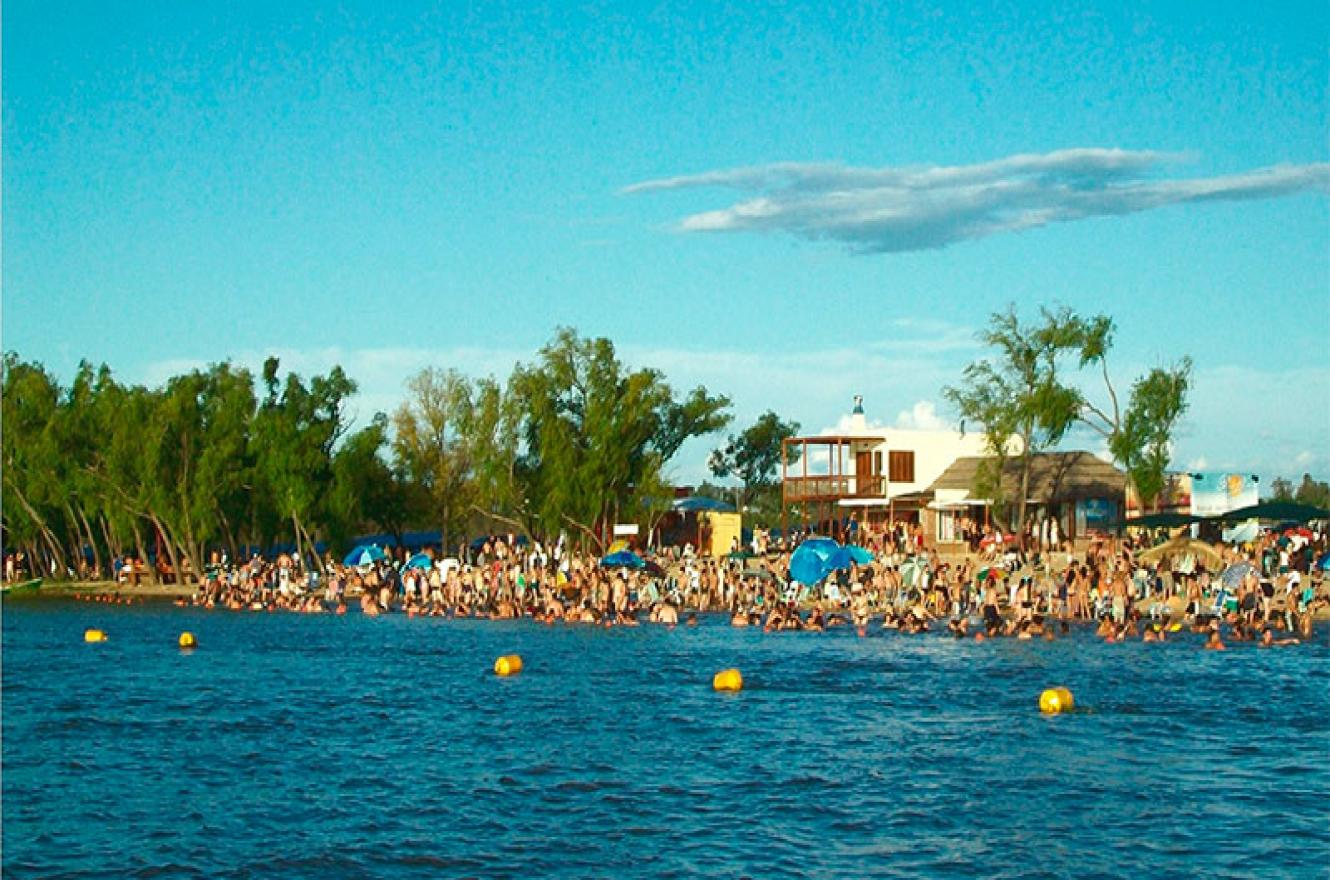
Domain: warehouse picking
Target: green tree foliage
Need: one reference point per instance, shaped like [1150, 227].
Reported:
[366, 491]
[100, 469]
[1019, 395]
[596, 436]
[753, 458]
[1309, 491]
[1140, 437]
[216, 459]
[295, 433]
[433, 445]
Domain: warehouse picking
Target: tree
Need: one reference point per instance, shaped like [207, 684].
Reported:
[295, 434]
[1312, 492]
[1018, 395]
[366, 491]
[1139, 438]
[431, 446]
[753, 456]
[1281, 489]
[595, 435]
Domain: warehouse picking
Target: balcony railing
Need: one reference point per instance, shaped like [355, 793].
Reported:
[834, 488]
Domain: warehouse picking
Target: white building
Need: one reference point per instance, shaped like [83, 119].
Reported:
[872, 473]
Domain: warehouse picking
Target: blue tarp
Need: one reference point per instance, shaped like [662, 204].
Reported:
[701, 502]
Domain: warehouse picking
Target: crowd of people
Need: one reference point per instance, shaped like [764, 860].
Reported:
[1267, 593]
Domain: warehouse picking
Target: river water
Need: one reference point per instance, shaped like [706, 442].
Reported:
[319, 746]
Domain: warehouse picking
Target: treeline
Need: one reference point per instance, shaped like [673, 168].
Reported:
[219, 458]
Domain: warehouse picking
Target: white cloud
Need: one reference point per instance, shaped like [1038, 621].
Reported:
[895, 209]
[922, 416]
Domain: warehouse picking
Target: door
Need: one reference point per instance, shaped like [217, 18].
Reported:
[863, 473]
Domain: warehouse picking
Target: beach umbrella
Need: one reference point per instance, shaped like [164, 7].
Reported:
[844, 557]
[366, 554]
[860, 555]
[623, 559]
[420, 560]
[807, 565]
[824, 547]
[1233, 575]
[910, 570]
[988, 573]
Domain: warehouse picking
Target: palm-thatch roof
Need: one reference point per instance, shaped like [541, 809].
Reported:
[1054, 477]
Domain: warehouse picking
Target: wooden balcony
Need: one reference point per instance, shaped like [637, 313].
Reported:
[832, 488]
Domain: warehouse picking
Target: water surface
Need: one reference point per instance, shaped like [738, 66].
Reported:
[319, 746]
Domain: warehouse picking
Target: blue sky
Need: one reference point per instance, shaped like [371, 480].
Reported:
[790, 204]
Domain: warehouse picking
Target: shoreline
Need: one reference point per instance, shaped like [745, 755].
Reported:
[69, 589]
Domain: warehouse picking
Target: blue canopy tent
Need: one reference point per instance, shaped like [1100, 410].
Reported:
[367, 554]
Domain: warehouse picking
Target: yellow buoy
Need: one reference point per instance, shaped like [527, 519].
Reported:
[1055, 700]
[187, 640]
[93, 635]
[508, 664]
[728, 680]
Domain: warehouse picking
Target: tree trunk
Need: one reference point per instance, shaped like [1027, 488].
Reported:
[228, 535]
[1025, 493]
[47, 535]
[112, 543]
[168, 540]
[138, 548]
[92, 541]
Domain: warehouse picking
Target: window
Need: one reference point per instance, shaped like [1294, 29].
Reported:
[901, 464]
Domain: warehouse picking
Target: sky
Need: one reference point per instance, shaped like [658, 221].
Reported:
[790, 203]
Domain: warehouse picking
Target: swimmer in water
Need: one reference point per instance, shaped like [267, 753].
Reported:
[1213, 642]
[1268, 640]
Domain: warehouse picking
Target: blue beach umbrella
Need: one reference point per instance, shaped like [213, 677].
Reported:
[366, 554]
[807, 565]
[420, 560]
[823, 547]
[623, 559]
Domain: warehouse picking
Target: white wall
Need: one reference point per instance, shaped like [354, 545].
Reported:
[934, 452]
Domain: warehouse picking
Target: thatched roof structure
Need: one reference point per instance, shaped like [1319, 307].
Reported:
[1054, 477]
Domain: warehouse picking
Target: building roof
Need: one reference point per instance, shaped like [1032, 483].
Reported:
[1054, 476]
